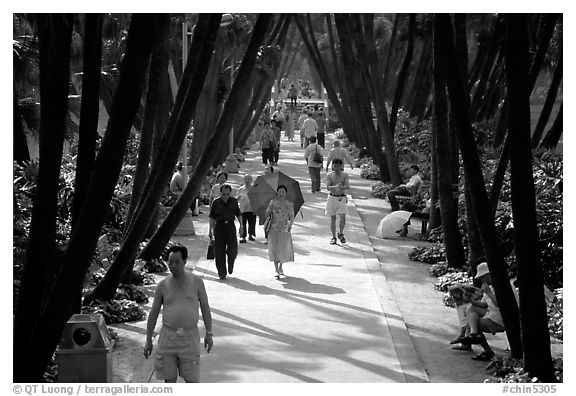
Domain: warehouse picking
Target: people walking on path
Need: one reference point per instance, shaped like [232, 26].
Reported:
[221, 178]
[293, 95]
[180, 295]
[279, 116]
[337, 184]
[314, 162]
[341, 153]
[178, 182]
[276, 131]
[267, 144]
[301, 120]
[321, 132]
[223, 230]
[280, 247]
[248, 216]
[290, 117]
[407, 189]
[310, 128]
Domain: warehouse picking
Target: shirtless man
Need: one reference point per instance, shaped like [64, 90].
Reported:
[180, 295]
[337, 183]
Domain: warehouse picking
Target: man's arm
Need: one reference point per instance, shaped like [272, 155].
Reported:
[206, 314]
[153, 318]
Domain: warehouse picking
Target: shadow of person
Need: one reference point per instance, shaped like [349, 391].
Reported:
[302, 285]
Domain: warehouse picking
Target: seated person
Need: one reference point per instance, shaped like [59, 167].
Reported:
[407, 189]
[483, 315]
[457, 292]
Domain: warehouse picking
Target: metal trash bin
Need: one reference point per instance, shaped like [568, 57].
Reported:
[85, 350]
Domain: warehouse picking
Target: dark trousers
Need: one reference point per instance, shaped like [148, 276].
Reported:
[250, 218]
[277, 153]
[314, 178]
[293, 101]
[401, 190]
[225, 245]
[321, 139]
[267, 155]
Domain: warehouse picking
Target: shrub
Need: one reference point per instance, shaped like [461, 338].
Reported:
[131, 292]
[451, 279]
[116, 311]
[428, 254]
[370, 171]
[509, 370]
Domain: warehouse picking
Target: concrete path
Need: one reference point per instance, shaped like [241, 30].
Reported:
[358, 312]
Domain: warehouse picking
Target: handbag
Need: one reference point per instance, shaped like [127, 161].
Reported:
[268, 223]
[210, 251]
[317, 156]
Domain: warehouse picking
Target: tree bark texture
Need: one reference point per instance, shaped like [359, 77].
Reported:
[555, 133]
[448, 202]
[548, 104]
[167, 228]
[36, 351]
[190, 86]
[55, 35]
[533, 315]
[460, 104]
[89, 110]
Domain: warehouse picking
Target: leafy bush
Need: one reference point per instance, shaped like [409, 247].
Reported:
[155, 266]
[140, 278]
[556, 315]
[370, 171]
[131, 292]
[428, 254]
[380, 189]
[440, 269]
[509, 370]
[451, 279]
[116, 311]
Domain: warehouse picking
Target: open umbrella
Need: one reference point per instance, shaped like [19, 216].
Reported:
[264, 189]
[391, 223]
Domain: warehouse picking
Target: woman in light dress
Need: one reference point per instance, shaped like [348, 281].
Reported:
[280, 248]
[290, 126]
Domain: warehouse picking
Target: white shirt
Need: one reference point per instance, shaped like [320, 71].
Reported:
[414, 183]
[243, 199]
[310, 127]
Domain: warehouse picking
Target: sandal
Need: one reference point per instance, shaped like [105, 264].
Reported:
[484, 356]
[333, 241]
[473, 338]
[462, 347]
[341, 237]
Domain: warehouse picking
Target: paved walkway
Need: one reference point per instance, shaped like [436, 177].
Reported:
[359, 312]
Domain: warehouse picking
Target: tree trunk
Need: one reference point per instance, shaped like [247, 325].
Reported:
[37, 350]
[475, 248]
[403, 73]
[158, 66]
[166, 230]
[20, 150]
[385, 71]
[448, 203]
[553, 136]
[533, 315]
[190, 86]
[89, 111]
[435, 220]
[548, 104]
[460, 105]
[55, 35]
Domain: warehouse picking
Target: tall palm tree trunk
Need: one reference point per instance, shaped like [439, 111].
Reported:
[55, 36]
[533, 315]
[548, 104]
[460, 104]
[37, 349]
[166, 230]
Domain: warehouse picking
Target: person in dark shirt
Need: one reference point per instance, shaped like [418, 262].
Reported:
[222, 214]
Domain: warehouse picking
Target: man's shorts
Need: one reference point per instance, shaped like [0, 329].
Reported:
[178, 354]
[336, 205]
[489, 326]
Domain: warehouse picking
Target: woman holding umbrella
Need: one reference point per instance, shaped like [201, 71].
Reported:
[280, 248]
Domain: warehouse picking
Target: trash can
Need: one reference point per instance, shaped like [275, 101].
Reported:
[85, 350]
